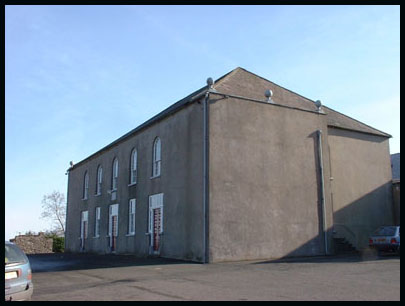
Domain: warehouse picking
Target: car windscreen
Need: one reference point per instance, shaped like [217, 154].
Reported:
[14, 255]
[385, 231]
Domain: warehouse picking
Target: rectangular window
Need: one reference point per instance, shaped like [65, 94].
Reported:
[131, 217]
[114, 185]
[97, 223]
[83, 229]
[133, 176]
[157, 168]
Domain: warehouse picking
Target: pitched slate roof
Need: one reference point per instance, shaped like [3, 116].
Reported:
[241, 82]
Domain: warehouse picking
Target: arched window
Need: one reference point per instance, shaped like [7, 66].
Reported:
[115, 174]
[156, 157]
[133, 167]
[99, 180]
[86, 186]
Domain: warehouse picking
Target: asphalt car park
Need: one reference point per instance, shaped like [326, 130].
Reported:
[81, 277]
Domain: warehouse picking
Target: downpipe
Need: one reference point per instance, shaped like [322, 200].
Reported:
[205, 175]
[322, 183]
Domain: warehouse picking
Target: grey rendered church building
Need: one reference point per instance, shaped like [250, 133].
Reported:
[241, 169]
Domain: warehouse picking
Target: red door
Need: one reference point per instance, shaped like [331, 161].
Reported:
[156, 228]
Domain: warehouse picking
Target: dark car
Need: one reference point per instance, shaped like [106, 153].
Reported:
[386, 238]
[18, 278]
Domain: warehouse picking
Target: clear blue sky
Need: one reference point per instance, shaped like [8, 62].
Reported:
[79, 77]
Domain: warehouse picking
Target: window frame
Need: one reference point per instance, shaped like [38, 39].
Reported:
[99, 179]
[86, 186]
[115, 169]
[131, 212]
[97, 219]
[133, 167]
[156, 157]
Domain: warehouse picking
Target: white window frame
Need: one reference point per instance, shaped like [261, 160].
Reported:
[157, 157]
[99, 180]
[114, 182]
[86, 186]
[133, 168]
[131, 213]
[97, 222]
[84, 218]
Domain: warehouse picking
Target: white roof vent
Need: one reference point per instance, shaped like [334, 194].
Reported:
[318, 104]
[269, 93]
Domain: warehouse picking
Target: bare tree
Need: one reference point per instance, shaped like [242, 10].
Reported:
[54, 208]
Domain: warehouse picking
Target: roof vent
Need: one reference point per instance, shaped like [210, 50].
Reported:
[318, 104]
[210, 83]
[269, 93]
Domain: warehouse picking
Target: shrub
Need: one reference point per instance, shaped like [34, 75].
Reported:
[58, 244]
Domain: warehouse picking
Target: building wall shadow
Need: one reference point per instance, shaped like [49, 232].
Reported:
[356, 222]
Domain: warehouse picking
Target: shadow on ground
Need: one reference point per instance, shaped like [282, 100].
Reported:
[69, 261]
[365, 256]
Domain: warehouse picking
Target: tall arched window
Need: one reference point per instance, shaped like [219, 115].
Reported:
[115, 174]
[99, 180]
[156, 157]
[133, 167]
[86, 186]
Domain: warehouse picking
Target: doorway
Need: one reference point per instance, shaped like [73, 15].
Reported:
[155, 223]
[83, 230]
[113, 227]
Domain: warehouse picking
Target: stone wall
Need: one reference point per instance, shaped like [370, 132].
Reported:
[34, 244]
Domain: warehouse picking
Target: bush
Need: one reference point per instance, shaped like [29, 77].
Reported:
[58, 244]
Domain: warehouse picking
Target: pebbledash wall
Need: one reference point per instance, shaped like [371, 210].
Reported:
[265, 196]
[361, 184]
[179, 182]
[264, 184]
